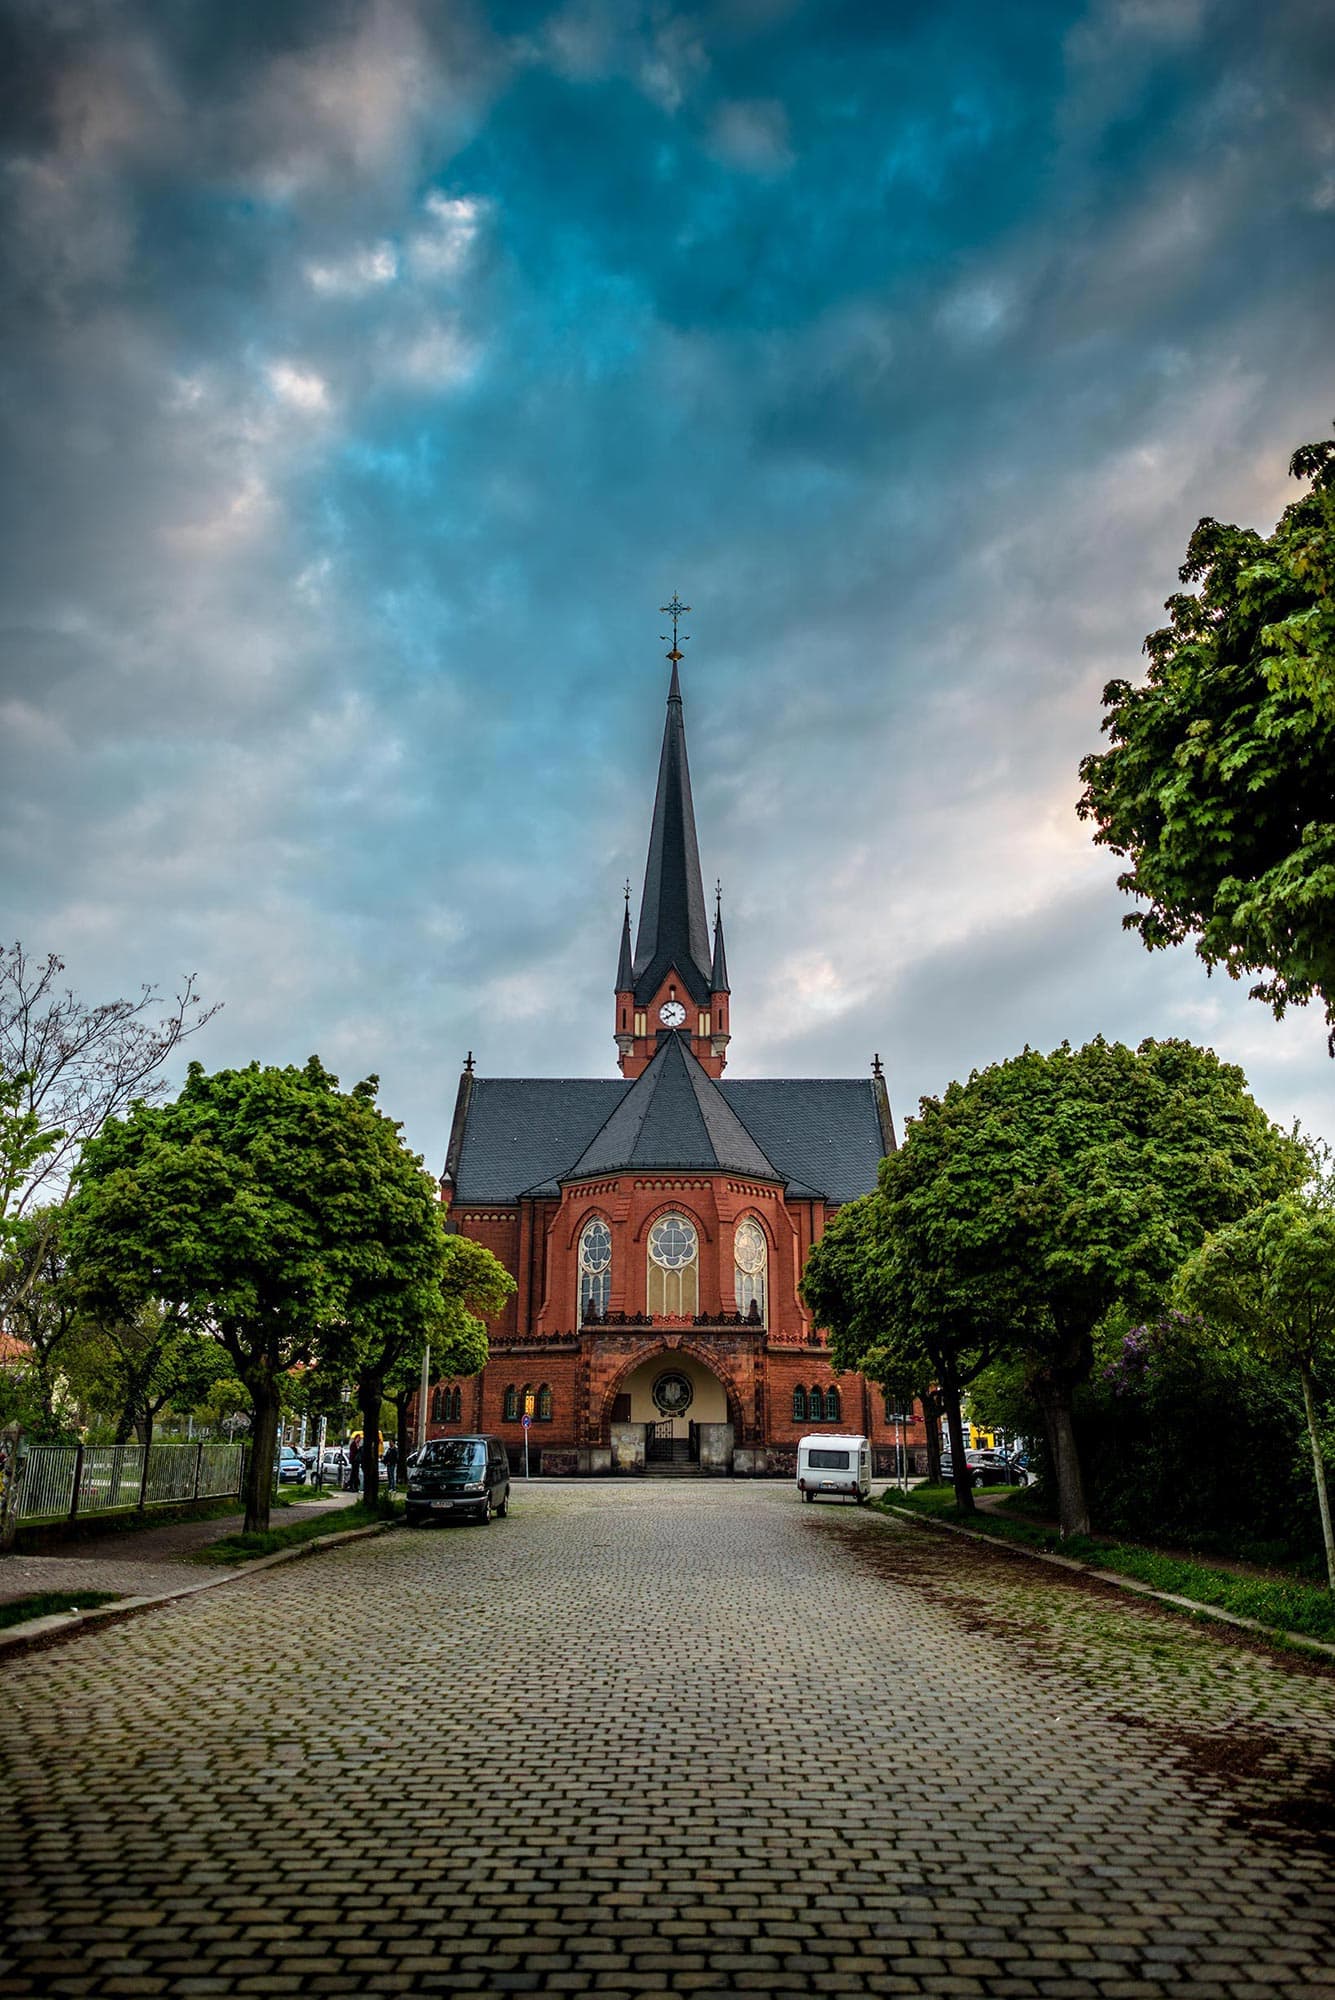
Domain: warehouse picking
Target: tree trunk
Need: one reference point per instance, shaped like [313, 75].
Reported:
[1054, 1399]
[959, 1464]
[931, 1417]
[263, 1446]
[370, 1395]
[1319, 1470]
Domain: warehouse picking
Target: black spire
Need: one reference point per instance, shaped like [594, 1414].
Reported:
[718, 979]
[673, 932]
[625, 964]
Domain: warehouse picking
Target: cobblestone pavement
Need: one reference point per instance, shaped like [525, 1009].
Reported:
[137, 1562]
[667, 1738]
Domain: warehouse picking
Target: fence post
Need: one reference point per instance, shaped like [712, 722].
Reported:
[199, 1460]
[78, 1479]
[143, 1479]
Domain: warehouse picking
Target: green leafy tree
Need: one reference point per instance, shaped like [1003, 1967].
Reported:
[394, 1326]
[1270, 1277]
[1217, 779]
[897, 1323]
[24, 1143]
[134, 1366]
[39, 1306]
[271, 1211]
[1028, 1201]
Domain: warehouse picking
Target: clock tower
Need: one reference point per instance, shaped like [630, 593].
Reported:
[671, 982]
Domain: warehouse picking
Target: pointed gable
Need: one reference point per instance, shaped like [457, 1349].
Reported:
[673, 931]
[674, 1115]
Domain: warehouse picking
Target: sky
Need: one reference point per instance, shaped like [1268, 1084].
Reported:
[372, 371]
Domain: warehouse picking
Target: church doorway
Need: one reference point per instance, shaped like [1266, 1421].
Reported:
[680, 1408]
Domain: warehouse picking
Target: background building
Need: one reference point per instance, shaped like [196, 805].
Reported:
[657, 1223]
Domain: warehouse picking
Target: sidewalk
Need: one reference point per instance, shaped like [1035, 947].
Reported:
[141, 1562]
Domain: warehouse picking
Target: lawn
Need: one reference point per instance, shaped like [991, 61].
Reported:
[292, 1534]
[1285, 1604]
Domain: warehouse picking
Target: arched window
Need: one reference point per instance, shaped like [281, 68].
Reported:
[456, 1405]
[436, 1401]
[816, 1406]
[511, 1404]
[528, 1401]
[544, 1404]
[750, 1254]
[595, 1268]
[799, 1405]
[832, 1408]
[674, 1267]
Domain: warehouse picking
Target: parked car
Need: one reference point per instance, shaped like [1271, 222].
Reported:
[458, 1475]
[986, 1468]
[291, 1466]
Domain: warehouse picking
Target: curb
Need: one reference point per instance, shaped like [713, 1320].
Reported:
[67, 1624]
[1275, 1633]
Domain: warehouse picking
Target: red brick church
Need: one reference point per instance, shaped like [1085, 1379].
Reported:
[656, 1223]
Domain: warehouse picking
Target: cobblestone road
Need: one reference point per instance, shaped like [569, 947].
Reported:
[667, 1738]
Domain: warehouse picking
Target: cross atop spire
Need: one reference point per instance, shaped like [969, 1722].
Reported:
[676, 610]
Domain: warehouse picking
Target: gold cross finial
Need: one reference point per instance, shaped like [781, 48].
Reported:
[675, 611]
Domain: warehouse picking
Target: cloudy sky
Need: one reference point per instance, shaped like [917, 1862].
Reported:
[373, 370]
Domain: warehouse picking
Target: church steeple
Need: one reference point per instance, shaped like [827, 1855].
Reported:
[669, 984]
[673, 932]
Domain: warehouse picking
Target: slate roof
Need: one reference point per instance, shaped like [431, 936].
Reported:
[824, 1132]
[524, 1135]
[674, 1115]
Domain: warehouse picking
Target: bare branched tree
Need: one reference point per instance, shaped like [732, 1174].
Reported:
[76, 1065]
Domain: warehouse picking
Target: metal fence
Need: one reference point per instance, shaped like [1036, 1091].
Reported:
[65, 1481]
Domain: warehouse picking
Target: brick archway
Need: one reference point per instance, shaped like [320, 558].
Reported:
[649, 1350]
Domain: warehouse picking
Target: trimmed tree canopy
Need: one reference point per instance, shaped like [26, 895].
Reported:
[274, 1211]
[1026, 1202]
[1217, 779]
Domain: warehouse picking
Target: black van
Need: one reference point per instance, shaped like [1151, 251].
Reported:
[458, 1475]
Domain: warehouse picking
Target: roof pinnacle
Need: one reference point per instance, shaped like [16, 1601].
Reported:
[675, 610]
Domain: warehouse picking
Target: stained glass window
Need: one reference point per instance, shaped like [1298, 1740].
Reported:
[750, 1255]
[674, 1272]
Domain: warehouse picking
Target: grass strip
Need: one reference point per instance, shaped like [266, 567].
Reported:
[45, 1603]
[34, 1538]
[1281, 1603]
[241, 1548]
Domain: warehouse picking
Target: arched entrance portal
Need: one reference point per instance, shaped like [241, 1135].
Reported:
[672, 1408]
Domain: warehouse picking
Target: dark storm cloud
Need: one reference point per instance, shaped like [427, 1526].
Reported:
[373, 371]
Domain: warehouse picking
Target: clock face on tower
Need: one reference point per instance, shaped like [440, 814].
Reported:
[672, 1013]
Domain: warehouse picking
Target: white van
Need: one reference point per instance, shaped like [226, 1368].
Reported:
[828, 1464]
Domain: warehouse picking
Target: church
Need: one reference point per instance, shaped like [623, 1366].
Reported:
[656, 1223]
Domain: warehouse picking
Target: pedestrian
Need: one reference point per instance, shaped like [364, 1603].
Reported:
[391, 1465]
[355, 1465]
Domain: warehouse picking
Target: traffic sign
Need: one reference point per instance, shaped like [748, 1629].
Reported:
[527, 1422]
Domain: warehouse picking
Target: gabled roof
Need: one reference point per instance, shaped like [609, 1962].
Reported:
[525, 1135]
[673, 932]
[674, 1116]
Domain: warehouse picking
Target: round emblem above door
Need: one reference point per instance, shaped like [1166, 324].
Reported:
[673, 1393]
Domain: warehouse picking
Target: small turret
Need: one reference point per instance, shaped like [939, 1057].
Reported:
[720, 1029]
[625, 989]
